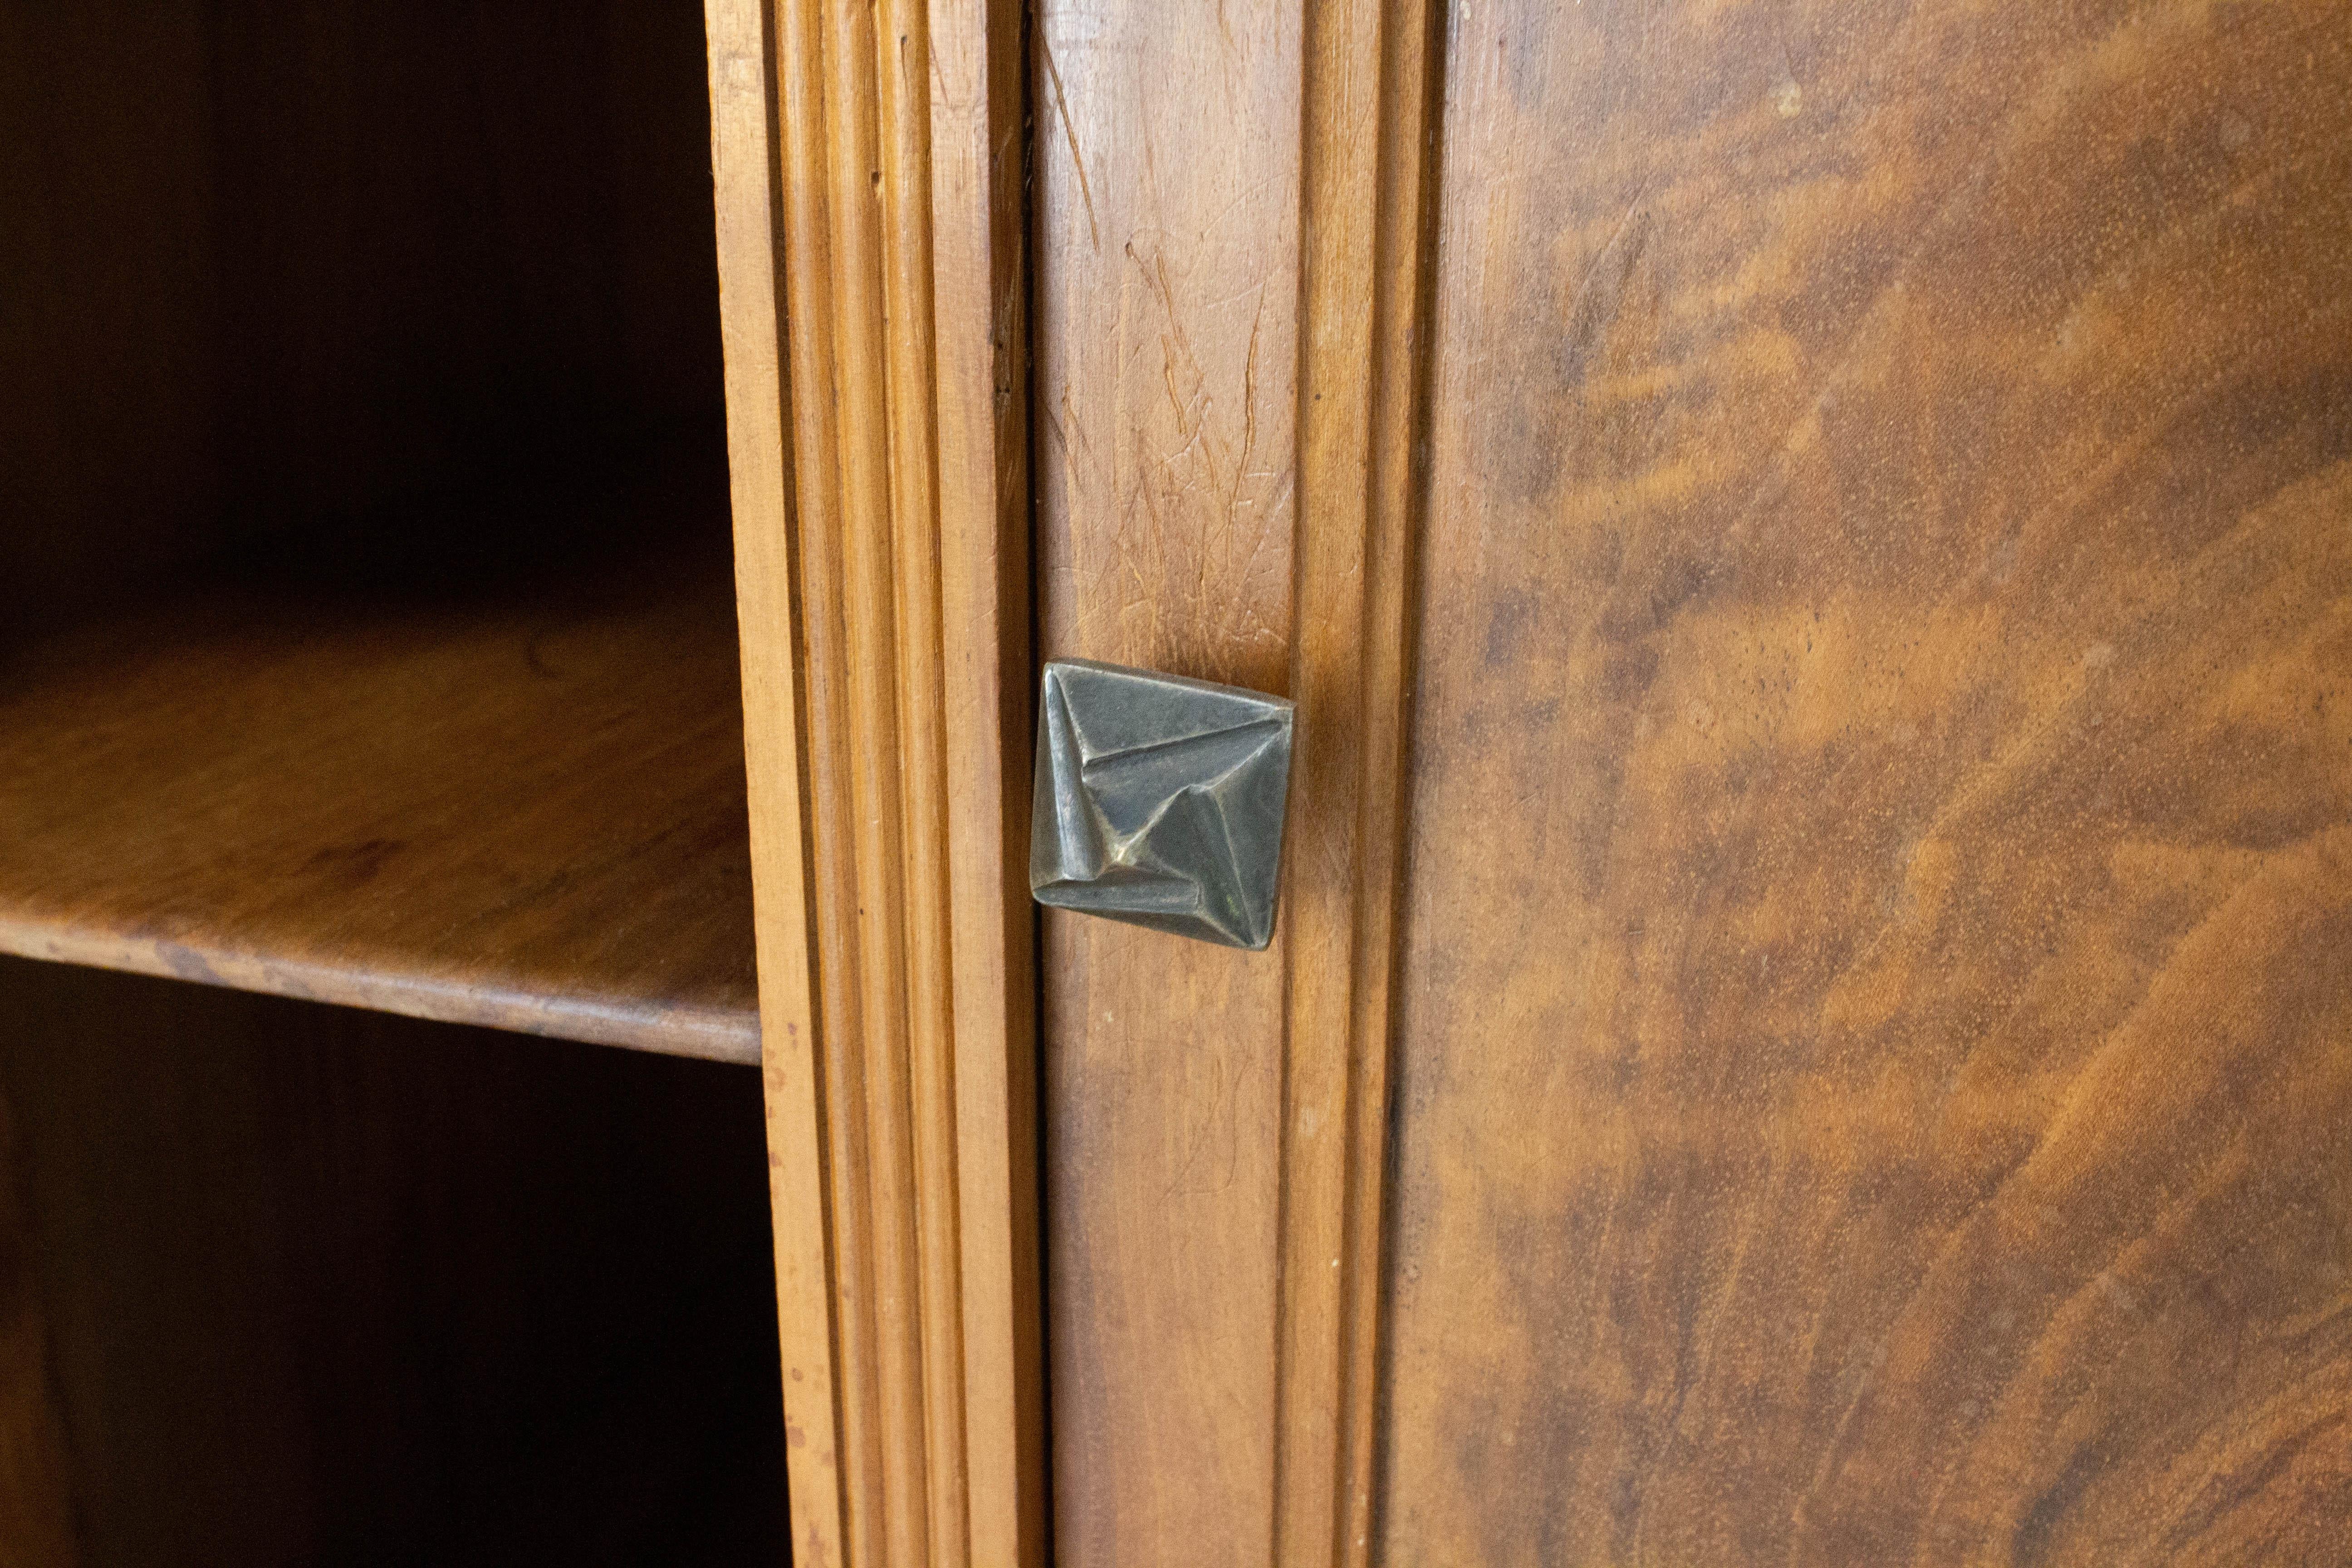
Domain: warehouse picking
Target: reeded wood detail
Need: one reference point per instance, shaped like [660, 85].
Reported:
[1365, 176]
[979, 341]
[886, 598]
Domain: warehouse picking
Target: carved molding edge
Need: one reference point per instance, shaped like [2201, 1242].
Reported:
[1369, 177]
[870, 226]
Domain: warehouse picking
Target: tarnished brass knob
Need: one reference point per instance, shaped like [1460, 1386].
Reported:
[1160, 800]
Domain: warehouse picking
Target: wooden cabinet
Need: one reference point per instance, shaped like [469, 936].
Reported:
[1810, 542]
[366, 638]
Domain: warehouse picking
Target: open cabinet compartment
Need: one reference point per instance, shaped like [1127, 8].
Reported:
[365, 623]
[286, 1283]
[367, 637]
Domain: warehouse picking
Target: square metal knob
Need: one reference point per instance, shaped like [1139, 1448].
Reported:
[1160, 800]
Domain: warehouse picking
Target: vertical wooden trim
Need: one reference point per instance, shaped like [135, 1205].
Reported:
[881, 496]
[979, 161]
[834, 170]
[1368, 108]
[744, 169]
[804, 256]
[902, 71]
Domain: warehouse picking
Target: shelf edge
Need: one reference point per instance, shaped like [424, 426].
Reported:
[711, 1034]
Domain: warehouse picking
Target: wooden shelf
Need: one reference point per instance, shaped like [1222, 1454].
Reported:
[524, 808]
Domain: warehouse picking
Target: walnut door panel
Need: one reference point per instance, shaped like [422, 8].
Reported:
[1870, 1002]
[1873, 1060]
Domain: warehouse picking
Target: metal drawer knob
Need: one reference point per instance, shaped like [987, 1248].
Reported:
[1160, 800]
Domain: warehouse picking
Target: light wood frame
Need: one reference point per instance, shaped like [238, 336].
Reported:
[868, 169]
[1233, 254]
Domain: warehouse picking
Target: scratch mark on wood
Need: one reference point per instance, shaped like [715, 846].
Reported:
[1070, 133]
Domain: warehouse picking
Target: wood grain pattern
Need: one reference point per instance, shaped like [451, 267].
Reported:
[1167, 148]
[887, 602]
[1873, 1060]
[1368, 105]
[1232, 215]
[525, 812]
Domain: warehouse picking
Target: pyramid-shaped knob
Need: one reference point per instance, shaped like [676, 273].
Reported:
[1160, 800]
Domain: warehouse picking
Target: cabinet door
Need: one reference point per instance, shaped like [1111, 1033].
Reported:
[1863, 968]
[1812, 543]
